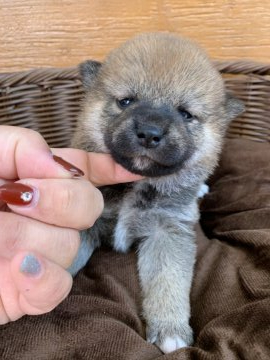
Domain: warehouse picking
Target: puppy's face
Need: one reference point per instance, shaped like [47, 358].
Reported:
[157, 105]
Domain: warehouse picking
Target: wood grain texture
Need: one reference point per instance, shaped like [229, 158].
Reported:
[42, 33]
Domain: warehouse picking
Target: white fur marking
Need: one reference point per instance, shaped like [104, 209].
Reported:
[204, 189]
[172, 343]
[120, 236]
[141, 162]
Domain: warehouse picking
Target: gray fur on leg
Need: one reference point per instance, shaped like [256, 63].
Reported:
[166, 284]
[85, 251]
[166, 256]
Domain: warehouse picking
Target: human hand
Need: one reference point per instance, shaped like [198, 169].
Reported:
[40, 223]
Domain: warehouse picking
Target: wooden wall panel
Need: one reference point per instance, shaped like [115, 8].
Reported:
[41, 33]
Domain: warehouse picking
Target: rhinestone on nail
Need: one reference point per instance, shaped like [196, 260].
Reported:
[26, 196]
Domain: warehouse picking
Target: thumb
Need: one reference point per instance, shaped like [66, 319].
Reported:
[41, 283]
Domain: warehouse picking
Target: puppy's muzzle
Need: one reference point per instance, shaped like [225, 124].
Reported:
[151, 141]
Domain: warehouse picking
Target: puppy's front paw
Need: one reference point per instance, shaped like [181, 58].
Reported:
[170, 337]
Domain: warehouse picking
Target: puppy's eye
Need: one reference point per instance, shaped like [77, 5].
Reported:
[124, 103]
[185, 114]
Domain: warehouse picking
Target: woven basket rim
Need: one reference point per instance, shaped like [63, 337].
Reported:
[243, 67]
[34, 76]
[71, 73]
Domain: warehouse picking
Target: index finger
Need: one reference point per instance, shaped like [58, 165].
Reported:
[103, 170]
[100, 169]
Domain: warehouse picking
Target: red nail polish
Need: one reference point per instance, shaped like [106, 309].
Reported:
[76, 172]
[16, 194]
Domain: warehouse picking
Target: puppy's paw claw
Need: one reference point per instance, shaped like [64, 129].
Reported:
[172, 343]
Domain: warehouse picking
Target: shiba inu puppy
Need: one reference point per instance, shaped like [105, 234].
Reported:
[160, 108]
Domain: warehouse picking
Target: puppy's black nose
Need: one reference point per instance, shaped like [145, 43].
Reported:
[149, 136]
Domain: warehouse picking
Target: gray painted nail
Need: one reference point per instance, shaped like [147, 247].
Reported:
[30, 265]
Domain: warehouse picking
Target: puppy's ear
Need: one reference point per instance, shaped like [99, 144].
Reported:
[88, 71]
[234, 106]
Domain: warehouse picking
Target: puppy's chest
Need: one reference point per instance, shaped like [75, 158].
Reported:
[114, 194]
[144, 198]
[128, 199]
[129, 195]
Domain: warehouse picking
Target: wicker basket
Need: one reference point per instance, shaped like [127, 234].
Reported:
[48, 100]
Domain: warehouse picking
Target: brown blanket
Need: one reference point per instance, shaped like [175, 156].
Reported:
[230, 296]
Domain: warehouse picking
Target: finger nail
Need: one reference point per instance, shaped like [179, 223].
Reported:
[16, 194]
[76, 172]
[30, 265]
